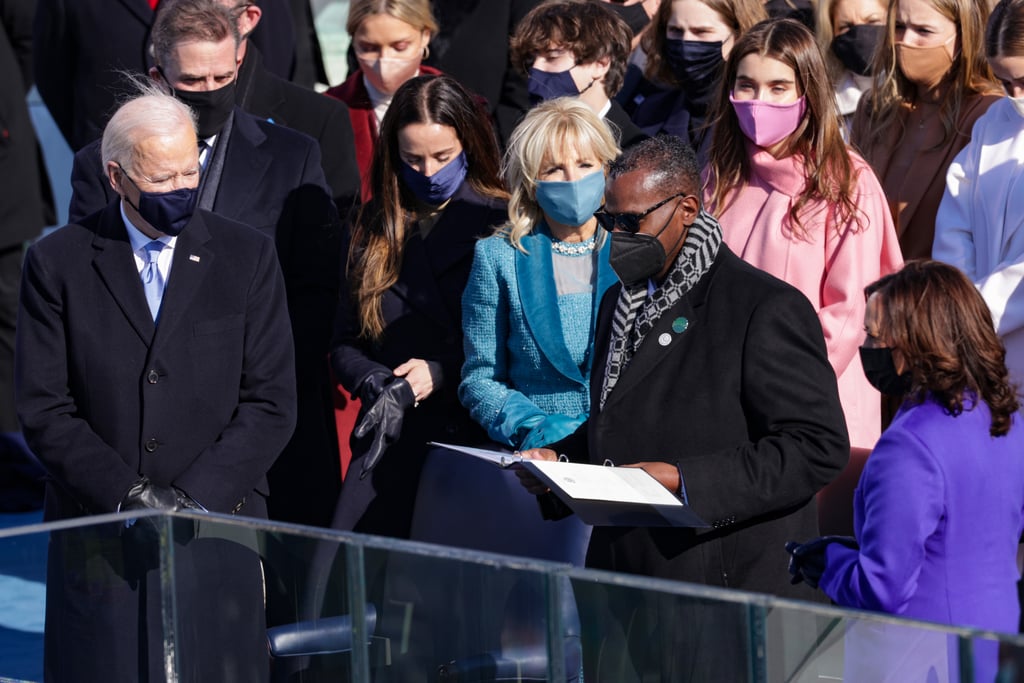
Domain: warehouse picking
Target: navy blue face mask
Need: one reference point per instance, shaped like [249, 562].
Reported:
[168, 212]
[697, 65]
[543, 85]
[436, 189]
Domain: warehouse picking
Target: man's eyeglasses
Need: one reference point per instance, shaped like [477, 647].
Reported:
[629, 222]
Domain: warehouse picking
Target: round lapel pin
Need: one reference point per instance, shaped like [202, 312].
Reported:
[665, 339]
[679, 325]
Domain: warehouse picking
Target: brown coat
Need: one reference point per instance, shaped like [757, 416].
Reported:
[914, 180]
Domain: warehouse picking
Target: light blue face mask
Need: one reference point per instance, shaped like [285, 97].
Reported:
[571, 202]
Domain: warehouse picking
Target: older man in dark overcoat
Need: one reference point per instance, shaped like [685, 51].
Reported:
[154, 369]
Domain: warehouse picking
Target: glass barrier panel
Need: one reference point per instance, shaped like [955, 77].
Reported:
[463, 616]
[805, 643]
[245, 588]
[85, 600]
[634, 630]
[206, 597]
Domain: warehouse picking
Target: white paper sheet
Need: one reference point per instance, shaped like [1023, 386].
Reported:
[617, 484]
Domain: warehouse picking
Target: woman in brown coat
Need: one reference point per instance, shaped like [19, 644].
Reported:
[933, 84]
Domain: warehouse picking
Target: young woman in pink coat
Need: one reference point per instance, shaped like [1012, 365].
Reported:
[795, 201]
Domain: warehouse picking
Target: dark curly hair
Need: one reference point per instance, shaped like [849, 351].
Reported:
[587, 29]
[933, 315]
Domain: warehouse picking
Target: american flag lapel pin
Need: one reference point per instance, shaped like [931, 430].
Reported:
[193, 257]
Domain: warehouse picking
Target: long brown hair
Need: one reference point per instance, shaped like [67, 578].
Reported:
[828, 169]
[968, 75]
[933, 315]
[375, 255]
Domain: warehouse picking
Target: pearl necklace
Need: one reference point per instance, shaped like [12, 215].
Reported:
[574, 248]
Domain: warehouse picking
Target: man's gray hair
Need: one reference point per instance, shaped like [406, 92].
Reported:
[151, 112]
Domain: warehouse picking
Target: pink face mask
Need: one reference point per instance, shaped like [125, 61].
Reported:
[766, 123]
[387, 74]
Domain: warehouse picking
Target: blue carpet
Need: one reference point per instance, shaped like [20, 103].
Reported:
[22, 600]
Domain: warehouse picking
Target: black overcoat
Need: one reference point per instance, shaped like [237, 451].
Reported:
[204, 400]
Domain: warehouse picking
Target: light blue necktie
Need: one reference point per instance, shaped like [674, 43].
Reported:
[152, 280]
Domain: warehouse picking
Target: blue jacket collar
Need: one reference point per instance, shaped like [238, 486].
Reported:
[535, 277]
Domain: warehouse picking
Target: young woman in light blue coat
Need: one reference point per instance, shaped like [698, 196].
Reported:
[533, 293]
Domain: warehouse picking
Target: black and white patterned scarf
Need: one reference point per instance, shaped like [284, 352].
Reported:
[636, 313]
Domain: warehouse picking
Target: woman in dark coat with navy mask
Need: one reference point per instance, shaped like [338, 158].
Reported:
[398, 333]
[686, 45]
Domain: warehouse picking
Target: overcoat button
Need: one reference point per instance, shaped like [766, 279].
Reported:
[151, 445]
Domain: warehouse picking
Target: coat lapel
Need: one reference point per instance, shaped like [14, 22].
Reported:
[606, 278]
[535, 278]
[192, 260]
[115, 265]
[244, 166]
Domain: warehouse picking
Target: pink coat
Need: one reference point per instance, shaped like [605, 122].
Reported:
[830, 263]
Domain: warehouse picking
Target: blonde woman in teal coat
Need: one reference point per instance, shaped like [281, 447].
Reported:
[530, 305]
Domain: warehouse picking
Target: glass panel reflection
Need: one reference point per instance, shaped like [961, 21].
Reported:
[201, 597]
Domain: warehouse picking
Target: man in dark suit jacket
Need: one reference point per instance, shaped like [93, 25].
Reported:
[269, 177]
[577, 49]
[82, 48]
[713, 377]
[325, 119]
[136, 399]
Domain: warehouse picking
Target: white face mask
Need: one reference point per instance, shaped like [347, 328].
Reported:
[1018, 104]
[387, 74]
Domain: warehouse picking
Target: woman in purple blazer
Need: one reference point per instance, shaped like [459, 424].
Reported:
[940, 506]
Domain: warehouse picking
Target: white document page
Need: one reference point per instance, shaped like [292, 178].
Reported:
[618, 484]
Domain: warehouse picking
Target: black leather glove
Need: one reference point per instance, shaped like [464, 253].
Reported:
[187, 502]
[372, 385]
[383, 421]
[807, 560]
[145, 495]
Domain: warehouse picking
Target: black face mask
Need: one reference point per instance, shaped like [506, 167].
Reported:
[856, 48]
[635, 16]
[697, 65]
[880, 370]
[212, 107]
[636, 257]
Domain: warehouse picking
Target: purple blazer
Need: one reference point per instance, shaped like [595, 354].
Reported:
[938, 513]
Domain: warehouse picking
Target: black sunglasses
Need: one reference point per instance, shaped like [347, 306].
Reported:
[629, 222]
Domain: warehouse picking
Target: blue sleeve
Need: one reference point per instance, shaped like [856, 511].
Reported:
[486, 389]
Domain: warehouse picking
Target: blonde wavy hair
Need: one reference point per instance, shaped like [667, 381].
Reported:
[413, 12]
[560, 125]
